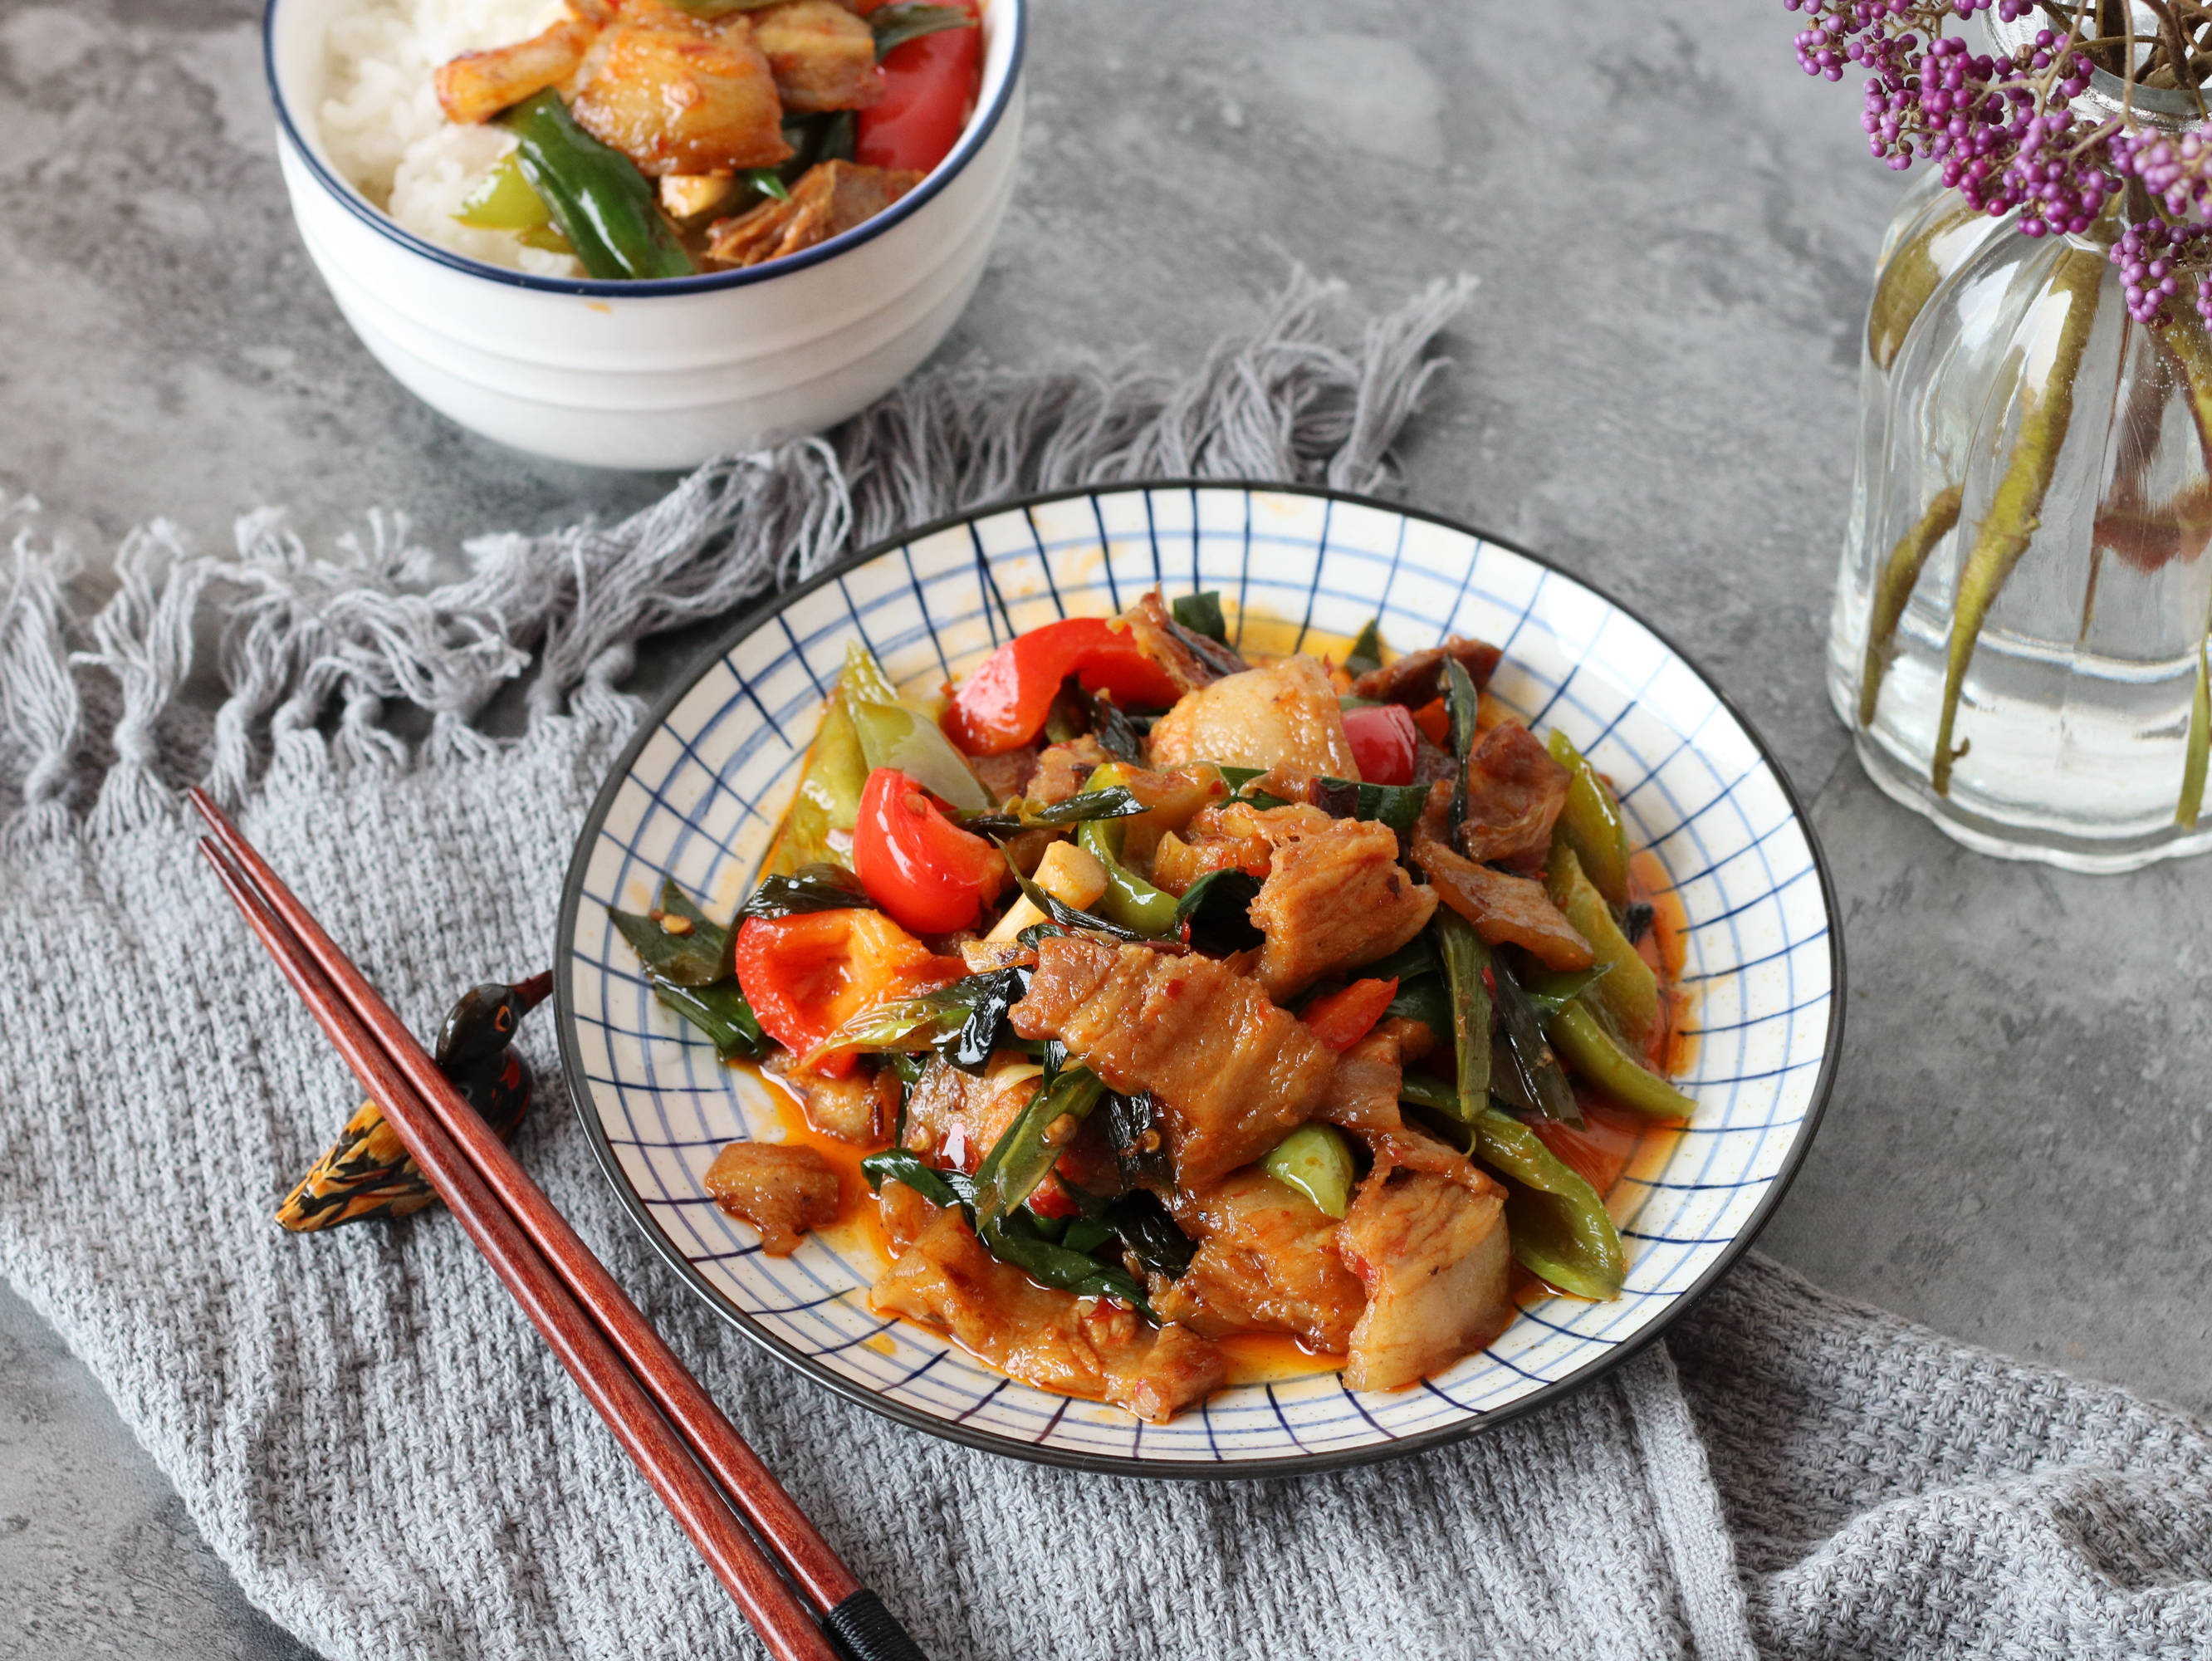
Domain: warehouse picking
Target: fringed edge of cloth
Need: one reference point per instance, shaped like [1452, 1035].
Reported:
[313, 650]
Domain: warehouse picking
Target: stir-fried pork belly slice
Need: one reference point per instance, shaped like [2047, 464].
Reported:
[1286, 714]
[905, 1214]
[1266, 1261]
[823, 56]
[1515, 791]
[832, 198]
[858, 1108]
[983, 957]
[1419, 676]
[1005, 775]
[677, 96]
[1063, 769]
[1054, 1339]
[1335, 896]
[477, 85]
[954, 1117]
[1156, 1374]
[1191, 660]
[1362, 1096]
[1431, 1250]
[1231, 1071]
[1415, 1040]
[1237, 838]
[781, 1191]
[1506, 910]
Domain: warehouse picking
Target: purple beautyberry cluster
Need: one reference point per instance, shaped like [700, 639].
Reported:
[2176, 171]
[2147, 254]
[2002, 130]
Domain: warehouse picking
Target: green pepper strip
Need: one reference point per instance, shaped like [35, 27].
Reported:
[836, 769]
[1465, 703]
[1591, 822]
[2014, 507]
[602, 204]
[1908, 282]
[1316, 1161]
[1899, 571]
[1629, 993]
[1584, 1044]
[1558, 1225]
[1129, 900]
[1466, 955]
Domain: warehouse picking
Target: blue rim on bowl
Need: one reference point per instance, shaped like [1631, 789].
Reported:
[731, 735]
[972, 138]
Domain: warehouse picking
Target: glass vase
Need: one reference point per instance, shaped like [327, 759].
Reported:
[2019, 635]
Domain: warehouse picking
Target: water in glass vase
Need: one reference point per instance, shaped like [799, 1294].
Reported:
[2021, 612]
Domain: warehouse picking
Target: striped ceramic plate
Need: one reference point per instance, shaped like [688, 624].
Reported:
[698, 794]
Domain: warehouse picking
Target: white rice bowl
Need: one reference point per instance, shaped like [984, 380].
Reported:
[382, 126]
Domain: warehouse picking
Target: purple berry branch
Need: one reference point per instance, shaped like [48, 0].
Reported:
[2003, 130]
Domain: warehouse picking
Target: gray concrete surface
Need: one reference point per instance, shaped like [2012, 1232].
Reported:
[1657, 388]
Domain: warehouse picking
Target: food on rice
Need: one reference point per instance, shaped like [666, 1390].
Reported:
[642, 139]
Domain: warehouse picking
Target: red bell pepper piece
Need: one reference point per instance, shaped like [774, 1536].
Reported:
[1002, 706]
[915, 863]
[806, 975]
[1342, 1018]
[1383, 737]
[929, 85]
[1435, 721]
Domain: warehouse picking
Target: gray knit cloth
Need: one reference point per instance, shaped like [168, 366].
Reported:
[384, 1455]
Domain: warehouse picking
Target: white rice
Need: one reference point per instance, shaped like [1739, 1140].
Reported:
[382, 126]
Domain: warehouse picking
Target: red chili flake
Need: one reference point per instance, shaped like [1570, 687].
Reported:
[1490, 980]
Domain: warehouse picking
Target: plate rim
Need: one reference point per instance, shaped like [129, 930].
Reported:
[760, 615]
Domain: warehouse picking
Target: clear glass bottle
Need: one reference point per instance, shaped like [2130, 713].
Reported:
[2019, 635]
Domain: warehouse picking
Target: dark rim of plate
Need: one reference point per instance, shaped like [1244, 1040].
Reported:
[980, 127]
[1113, 1464]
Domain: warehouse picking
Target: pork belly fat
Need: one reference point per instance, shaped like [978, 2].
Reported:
[1419, 676]
[832, 198]
[1515, 791]
[1286, 714]
[824, 58]
[1335, 896]
[1062, 769]
[1231, 1071]
[781, 1191]
[1363, 1095]
[1005, 775]
[858, 1108]
[1054, 1339]
[1191, 660]
[1434, 1257]
[677, 99]
[1266, 1261]
[958, 1116]
[477, 85]
[1157, 1379]
[1506, 910]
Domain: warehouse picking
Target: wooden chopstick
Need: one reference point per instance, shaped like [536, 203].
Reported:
[623, 1366]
